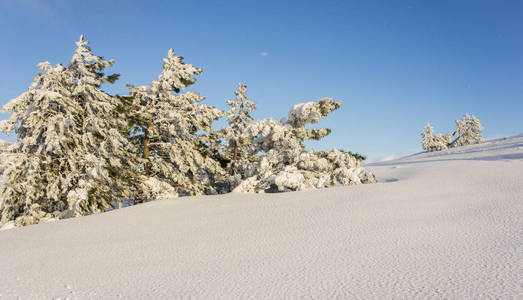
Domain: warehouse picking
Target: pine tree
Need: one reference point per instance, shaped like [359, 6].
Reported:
[431, 142]
[71, 157]
[442, 142]
[468, 131]
[288, 137]
[238, 117]
[286, 166]
[427, 142]
[105, 132]
[237, 152]
[173, 131]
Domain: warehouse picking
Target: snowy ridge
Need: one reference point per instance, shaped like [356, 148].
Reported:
[445, 225]
[502, 148]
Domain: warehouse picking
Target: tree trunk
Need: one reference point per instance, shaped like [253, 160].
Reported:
[146, 142]
[235, 153]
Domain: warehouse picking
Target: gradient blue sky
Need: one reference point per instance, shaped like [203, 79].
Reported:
[394, 64]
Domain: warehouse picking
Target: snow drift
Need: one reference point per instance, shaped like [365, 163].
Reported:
[438, 225]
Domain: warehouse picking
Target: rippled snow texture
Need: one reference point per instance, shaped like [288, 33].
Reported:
[438, 225]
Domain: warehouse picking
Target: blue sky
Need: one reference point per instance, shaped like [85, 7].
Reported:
[394, 64]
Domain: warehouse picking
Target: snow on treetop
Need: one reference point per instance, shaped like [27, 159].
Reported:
[311, 112]
[45, 66]
[86, 67]
[176, 75]
[304, 113]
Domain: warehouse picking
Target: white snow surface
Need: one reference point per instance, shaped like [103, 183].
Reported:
[439, 225]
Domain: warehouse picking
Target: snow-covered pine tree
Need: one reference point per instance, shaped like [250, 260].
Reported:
[105, 132]
[286, 166]
[442, 142]
[468, 131]
[427, 142]
[238, 117]
[287, 136]
[42, 117]
[71, 158]
[173, 131]
[237, 147]
[431, 142]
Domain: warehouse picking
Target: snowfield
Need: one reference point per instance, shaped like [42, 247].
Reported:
[440, 225]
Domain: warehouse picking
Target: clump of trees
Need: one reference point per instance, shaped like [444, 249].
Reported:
[468, 132]
[80, 150]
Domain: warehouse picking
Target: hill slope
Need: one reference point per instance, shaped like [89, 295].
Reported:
[442, 225]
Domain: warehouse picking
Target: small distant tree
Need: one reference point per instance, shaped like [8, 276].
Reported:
[442, 142]
[468, 131]
[431, 142]
[427, 142]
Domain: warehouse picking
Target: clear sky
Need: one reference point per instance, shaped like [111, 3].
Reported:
[394, 64]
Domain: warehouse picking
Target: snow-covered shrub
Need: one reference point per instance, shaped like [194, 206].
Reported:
[70, 155]
[285, 165]
[468, 131]
[173, 131]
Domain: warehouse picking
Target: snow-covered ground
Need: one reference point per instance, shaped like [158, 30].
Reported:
[444, 225]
